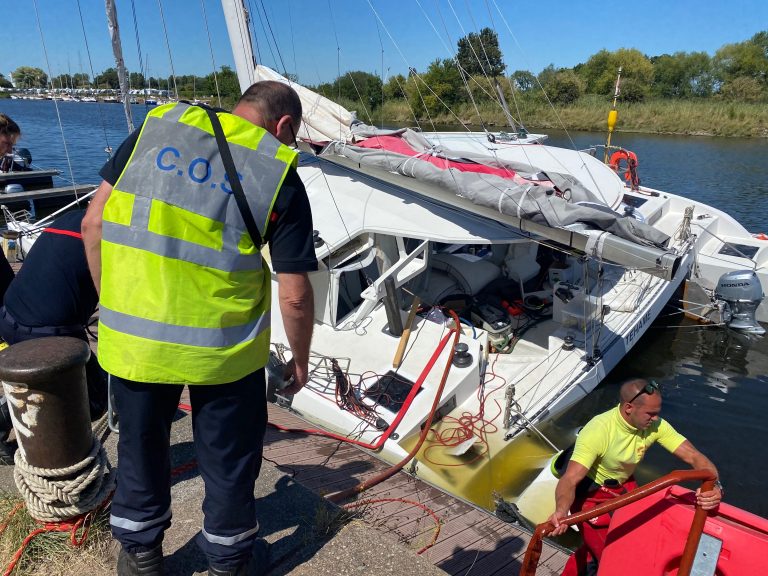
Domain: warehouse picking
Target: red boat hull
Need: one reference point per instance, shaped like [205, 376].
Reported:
[647, 537]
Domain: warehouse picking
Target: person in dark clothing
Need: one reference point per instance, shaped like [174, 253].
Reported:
[9, 134]
[193, 308]
[53, 295]
[6, 275]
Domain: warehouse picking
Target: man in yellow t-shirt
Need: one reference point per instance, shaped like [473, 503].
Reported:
[607, 451]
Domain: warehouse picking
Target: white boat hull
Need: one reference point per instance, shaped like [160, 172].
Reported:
[546, 375]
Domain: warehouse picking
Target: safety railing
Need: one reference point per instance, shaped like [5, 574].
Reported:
[533, 552]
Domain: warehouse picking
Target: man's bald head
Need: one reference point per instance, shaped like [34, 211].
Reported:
[640, 402]
[635, 390]
[273, 100]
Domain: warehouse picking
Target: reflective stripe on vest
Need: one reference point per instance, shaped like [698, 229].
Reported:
[185, 297]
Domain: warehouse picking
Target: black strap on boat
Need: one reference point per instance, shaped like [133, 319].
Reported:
[234, 180]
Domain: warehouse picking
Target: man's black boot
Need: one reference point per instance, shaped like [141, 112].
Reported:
[241, 570]
[256, 565]
[140, 563]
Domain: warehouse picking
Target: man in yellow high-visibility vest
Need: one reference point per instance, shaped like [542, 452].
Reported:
[185, 300]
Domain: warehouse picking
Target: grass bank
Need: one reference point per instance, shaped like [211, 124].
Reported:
[52, 553]
[685, 117]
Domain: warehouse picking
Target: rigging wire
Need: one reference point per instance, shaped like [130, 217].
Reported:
[411, 71]
[485, 74]
[512, 89]
[272, 34]
[108, 149]
[210, 48]
[138, 46]
[246, 45]
[498, 97]
[253, 38]
[168, 46]
[554, 109]
[55, 101]
[381, 46]
[252, 30]
[293, 40]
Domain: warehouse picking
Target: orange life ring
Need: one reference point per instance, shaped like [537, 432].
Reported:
[630, 172]
[761, 236]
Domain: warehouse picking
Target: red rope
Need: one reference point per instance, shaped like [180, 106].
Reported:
[73, 525]
[417, 504]
[401, 413]
[467, 426]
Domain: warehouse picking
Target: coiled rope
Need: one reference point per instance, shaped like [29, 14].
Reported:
[56, 494]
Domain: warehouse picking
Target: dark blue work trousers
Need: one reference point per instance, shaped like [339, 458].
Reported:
[228, 422]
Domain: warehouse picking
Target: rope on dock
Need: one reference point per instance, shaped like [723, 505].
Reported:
[56, 494]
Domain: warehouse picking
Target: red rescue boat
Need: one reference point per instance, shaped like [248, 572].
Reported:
[657, 529]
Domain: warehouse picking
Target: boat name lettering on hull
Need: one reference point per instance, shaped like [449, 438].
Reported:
[637, 328]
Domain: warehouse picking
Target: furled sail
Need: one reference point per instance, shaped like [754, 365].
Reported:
[323, 119]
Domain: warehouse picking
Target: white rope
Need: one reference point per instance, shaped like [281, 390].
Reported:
[56, 494]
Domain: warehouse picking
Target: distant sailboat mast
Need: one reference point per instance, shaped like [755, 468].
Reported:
[117, 49]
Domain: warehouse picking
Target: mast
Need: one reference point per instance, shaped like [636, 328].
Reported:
[237, 19]
[117, 49]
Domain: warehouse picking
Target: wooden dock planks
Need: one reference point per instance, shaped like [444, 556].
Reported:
[470, 540]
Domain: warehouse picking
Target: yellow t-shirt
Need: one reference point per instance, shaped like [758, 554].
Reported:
[611, 448]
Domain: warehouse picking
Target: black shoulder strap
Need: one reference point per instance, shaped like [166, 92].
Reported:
[234, 180]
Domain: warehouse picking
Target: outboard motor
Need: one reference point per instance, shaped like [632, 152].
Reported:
[742, 293]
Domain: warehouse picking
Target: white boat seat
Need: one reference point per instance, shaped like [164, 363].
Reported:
[520, 262]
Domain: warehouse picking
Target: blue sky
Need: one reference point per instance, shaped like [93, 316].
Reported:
[318, 39]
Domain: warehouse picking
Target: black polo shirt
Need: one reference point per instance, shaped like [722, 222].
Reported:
[54, 286]
[289, 234]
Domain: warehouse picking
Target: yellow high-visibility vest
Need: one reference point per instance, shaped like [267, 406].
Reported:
[185, 295]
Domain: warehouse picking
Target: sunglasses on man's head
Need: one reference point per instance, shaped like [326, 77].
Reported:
[649, 389]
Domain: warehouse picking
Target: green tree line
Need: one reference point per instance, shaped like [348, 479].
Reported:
[736, 73]
[680, 92]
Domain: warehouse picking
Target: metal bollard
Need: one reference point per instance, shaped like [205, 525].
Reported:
[44, 383]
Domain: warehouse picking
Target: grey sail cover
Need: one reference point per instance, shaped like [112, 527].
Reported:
[531, 200]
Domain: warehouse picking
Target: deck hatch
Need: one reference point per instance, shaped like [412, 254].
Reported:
[739, 250]
[390, 391]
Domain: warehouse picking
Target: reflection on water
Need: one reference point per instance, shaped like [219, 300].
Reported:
[715, 383]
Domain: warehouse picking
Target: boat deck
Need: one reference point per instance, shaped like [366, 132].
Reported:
[469, 539]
